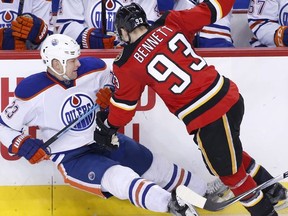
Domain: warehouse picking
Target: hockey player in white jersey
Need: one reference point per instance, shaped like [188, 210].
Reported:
[52, 99]
[268, 22]
[24, 24]
[217, 34]
[82, 20]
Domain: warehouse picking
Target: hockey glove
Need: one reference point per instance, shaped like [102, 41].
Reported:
[281, 36]
[103, 97]
[103, 134]
[8, 42]
[30, 27]
[94, 39]
[29, 148]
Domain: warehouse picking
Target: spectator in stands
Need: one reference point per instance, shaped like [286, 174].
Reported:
[82, 21]
[21, 25]
[268, 21]
[217, 34]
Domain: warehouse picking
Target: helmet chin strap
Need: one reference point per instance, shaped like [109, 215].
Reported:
[63, 74]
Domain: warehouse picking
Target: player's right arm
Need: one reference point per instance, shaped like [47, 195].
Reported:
[13, 120]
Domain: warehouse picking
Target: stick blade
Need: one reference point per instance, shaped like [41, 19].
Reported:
[190, 196]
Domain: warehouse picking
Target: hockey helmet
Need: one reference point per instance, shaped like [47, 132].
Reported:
[130, 17]
[60, 47]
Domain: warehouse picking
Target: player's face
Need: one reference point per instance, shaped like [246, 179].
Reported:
[72, 66]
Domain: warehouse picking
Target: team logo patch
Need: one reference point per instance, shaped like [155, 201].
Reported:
[6, 17]
[91, 176]
[111, 8]
[283, 15]
[115, 81]
[73, 107]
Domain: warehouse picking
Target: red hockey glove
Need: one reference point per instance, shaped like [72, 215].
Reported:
[103, 97]
[94, 39]
[281, 36]
[8, 42]
[31, 149]
[103, 134]
[30, 27]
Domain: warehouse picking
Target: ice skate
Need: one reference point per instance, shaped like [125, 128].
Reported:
[178, 207]
[278, 196]
[217, 191]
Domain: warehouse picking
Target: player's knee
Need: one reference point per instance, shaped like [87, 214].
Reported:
[117, 179]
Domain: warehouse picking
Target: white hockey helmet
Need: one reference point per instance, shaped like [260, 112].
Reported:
[60, 47]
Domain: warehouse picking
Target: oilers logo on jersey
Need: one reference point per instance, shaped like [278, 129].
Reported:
[74, 106]
[111, 8]
[283, 15]
[6, 17]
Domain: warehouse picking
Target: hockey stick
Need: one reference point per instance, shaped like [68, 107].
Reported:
[69, 126]
[20, 7]
[197, 200]
[103, 17]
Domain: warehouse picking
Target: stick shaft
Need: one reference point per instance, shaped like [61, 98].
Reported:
[103, 17]
[69, 126]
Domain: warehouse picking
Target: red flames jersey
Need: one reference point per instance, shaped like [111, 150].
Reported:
[164, 59]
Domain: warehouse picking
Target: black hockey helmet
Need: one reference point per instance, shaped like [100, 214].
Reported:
[130, 17]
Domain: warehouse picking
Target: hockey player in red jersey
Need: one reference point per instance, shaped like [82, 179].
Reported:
[161, 57]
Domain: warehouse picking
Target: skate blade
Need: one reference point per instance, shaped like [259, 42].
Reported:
[221, 197]
[281, 205]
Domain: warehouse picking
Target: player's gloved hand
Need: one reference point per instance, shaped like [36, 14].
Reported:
[103, 97]
[9, 42]
[29, 148]
[281, 36]
[104, 134]
[30, 27]
[94, 39]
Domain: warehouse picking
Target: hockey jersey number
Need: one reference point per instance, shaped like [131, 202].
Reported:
[173, 68]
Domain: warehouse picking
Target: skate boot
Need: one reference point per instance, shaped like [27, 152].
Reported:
[177, 207]
[278, 196]
[217, 191]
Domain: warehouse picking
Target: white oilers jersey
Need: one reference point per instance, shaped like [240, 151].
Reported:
[220, 29]
[41, 100]
[75, 15]
[40, 8]
[264, 18]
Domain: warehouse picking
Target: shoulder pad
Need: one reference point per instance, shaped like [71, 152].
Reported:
[89, 64]
[32, 85]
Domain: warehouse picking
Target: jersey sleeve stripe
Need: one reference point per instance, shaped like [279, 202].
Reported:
[123, 105]
[216, 10]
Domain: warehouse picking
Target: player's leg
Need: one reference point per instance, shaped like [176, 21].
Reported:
[155, 167]
[98, 174]
[142, 193]
[222, 150]
[276, 192]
